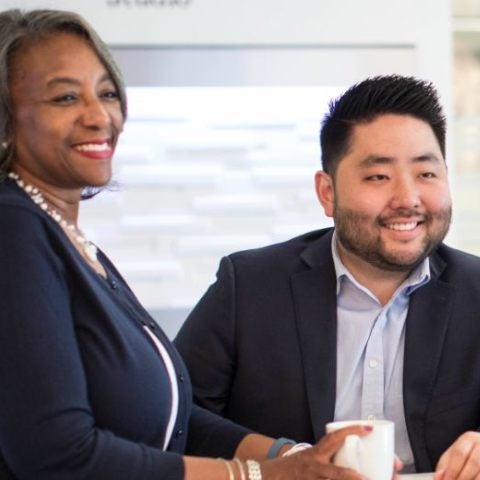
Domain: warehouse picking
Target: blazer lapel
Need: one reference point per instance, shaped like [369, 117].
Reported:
[314, 294]
[426, 326]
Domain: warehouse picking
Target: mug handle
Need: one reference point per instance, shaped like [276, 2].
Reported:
[348, 456]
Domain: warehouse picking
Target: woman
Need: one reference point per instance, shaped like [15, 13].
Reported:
[90, 387]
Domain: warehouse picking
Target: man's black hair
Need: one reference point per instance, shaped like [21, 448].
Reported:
[365, 101]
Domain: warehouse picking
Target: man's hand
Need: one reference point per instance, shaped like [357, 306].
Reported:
[462, 459]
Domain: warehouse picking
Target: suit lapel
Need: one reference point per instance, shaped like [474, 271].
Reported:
[314, 294]
[426, 326]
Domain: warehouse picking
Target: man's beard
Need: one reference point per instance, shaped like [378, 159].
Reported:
[366, 242]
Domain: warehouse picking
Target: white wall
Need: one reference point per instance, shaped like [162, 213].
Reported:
[242, 175]
[423, 25]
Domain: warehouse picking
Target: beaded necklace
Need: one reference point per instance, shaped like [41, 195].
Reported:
[36, 196]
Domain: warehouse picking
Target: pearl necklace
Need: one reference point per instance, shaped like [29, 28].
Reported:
[34, 193]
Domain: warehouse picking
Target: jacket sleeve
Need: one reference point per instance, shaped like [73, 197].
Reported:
[47, 428]
[212, 435]
[206, 342]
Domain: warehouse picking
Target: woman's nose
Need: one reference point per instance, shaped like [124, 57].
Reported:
[95, 114]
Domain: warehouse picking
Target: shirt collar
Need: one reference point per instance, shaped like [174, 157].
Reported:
[418, 277]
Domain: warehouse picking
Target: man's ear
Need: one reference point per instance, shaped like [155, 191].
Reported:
[325, 191]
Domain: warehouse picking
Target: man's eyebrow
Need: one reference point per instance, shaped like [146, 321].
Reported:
[375, 160]
[372, 160]
[427, 157]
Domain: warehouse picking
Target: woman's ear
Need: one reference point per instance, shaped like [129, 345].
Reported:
[325, 191]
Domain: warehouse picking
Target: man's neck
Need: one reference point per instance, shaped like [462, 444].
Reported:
[382, 283]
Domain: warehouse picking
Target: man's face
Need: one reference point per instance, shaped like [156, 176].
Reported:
[390, 198]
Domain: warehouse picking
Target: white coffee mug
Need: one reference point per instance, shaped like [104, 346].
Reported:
[371, 455]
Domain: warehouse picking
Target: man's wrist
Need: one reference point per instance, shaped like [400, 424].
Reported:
[280, 446]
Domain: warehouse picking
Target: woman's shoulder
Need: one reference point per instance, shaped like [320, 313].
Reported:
[28, 237]
[19, 216]
[13, 199]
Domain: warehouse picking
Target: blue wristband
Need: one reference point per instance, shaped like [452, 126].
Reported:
[277, 445]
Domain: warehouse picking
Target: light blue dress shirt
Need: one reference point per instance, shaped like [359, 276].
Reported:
[370, 347]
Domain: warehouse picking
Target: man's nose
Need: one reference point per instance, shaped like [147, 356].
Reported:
[406, 194]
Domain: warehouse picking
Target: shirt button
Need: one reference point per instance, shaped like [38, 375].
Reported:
[371, 417]
[113, 284]
[153, 325]
[372, 363]
[181, 378]
[179, 433]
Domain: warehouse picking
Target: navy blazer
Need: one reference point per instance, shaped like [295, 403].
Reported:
[260, 345]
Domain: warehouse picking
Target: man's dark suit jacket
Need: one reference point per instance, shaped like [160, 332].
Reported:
[261, 345]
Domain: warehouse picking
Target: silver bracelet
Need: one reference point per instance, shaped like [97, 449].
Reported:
[298, 447]
[240, 468]
[254, 472]
[231, 476]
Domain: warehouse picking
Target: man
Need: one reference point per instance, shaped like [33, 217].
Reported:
[375, 318]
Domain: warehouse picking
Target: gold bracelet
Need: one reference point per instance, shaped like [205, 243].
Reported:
[240, 467]
[231, 476]
[254, 472]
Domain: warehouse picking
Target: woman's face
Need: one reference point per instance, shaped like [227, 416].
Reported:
[66, 115]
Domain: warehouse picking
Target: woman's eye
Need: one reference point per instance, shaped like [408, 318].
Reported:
[111, 95]
[66, 98]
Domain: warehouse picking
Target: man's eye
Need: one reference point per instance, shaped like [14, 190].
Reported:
[428, 175]
[376, 177]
